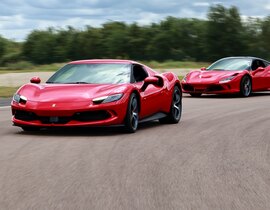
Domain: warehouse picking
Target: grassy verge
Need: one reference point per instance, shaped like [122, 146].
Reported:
[24, 66]
[28, 67]
[6, 92]
[176, 64]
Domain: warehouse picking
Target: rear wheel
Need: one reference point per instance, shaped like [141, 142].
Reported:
[176, 108]
[30, 129]
[195, 94]
[245, 86]
[132, 116]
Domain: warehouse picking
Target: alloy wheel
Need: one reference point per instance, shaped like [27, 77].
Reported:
[177, 104]
[134, 113]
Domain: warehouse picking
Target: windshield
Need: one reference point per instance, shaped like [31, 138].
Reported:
[231, 64]
[92, 73]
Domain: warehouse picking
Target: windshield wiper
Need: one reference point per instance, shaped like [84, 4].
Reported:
[77, 83]
[218, 69]
[52, 82]
[68, 83]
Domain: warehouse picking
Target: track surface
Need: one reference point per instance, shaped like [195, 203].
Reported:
[218, 157]
[5, 101]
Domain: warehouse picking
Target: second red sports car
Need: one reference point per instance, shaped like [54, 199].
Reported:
[242, 75]
[96, 93]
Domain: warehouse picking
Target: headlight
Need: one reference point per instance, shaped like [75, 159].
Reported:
[19, 99]
[226, 79]
[16, 98]
[107, 99]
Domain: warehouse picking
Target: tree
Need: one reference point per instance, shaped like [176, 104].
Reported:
[91, 43]
[3, 43]
[39, 46]
[115, 40]
[137, 42]
[252, 37]
[224, 32]
[265, 42]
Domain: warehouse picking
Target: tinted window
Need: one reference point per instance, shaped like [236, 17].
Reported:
[256, 64]
[139, 74]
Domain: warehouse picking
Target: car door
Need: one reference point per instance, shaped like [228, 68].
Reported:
[267, 74]
[260, 75]
[150, 96]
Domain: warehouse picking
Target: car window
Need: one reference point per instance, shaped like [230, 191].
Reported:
[266, 63]
[256, 64]
[138, 73]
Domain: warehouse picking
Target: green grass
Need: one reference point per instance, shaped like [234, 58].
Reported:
[24, 66]
[6, 92]
[28, 67]
[175, 64]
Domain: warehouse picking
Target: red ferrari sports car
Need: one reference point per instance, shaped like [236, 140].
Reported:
[242, 75]
[98, 93]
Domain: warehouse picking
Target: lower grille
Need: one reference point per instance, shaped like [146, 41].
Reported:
[209, 88]
[91, 116]
[187, 87]
[25, 116]
[79, 116]
[214, 88]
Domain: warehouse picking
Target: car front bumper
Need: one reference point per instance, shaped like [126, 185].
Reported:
[211, 88]
[49, 114]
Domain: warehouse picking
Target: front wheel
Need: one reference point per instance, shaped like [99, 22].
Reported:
[132, 115]
[245, 86]
[176, 108]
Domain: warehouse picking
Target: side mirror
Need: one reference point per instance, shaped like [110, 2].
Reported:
[260, 69]
[35, 80]
[150, 80]
[203, 69]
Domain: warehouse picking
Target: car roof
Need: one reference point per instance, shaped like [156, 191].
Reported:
[248, 57]
[89, 61]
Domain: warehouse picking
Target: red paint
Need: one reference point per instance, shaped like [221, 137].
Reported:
[208, 81]
[65, 100]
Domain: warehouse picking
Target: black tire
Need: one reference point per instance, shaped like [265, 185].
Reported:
[30, 129]
[245, 86]
[175, 113]
[195, 94]
[132, 115]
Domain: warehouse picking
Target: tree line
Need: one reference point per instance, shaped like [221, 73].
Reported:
[222, 34]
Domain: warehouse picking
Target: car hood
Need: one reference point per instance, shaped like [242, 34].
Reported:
[69, 92]
[210, 76]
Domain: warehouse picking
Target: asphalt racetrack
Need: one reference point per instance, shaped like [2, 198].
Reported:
[217, 157]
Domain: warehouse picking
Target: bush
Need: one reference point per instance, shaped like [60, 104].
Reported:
[21, 65]
[10, 58]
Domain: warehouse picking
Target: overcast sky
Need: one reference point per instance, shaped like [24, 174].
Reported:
[19, 17]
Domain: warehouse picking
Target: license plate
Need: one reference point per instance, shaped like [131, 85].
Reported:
[54, 119]
[199, 88]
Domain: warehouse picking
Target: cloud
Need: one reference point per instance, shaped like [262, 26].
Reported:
[201, 4]
[19, 17]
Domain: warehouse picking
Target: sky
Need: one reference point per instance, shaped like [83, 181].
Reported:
[19, 17]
